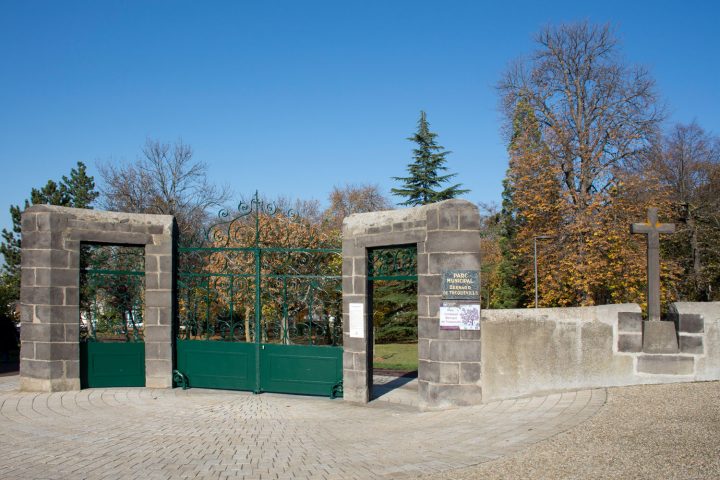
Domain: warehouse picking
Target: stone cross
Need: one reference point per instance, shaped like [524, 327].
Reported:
[652, 228]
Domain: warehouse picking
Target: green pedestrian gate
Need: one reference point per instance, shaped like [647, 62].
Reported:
[260, 304]
[112, 351]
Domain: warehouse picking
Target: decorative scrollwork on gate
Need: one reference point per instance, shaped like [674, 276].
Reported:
[393, 263]
[264, 274]
[262, 223]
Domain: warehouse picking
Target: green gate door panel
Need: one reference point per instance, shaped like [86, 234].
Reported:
[211, 364]
[112, 364]
[302, 369]
[260, 304]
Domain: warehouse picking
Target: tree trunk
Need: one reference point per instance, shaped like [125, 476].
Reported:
[695, 252]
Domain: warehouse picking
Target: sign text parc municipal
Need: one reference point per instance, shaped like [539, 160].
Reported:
[460, 285]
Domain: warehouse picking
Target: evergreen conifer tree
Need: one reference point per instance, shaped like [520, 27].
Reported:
[77, 191]
[509, 291]
[424, 183]
[80, 188]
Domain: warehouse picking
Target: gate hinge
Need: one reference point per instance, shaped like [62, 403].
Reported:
[337, 390]
[180, 379]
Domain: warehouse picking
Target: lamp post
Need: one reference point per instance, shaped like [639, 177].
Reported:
[535, 239]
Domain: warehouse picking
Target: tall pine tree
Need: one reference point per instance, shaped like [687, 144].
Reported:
[424, 183]
[80, 187]
[509, 290]
[396, 301]
[76, 191]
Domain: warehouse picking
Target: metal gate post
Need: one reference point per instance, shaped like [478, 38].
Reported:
[258, 314]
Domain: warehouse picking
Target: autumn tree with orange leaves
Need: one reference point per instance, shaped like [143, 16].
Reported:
[293, 252]
[579, 123]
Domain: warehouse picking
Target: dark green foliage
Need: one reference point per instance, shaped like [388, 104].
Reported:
[10, 249]
[395, 311]
[80, 188]
[8, 319]
[110, 292]
[509, 290]
[391, 333]
[423, 185]
[77, 191]
[51, 194]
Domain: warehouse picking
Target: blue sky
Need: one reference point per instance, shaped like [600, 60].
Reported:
[294, 97]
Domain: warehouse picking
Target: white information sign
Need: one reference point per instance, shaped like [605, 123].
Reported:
[357, 320]
[460, 317]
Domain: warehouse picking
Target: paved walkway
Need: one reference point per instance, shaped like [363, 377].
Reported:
[161, 434]
[398, 390]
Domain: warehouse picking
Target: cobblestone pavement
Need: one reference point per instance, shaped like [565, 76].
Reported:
[157, 434]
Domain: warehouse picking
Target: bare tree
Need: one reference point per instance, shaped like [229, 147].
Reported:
[309, 210]
[354, 199]
[579, 120]
[164, 180]
[688, 162]
[596, 113]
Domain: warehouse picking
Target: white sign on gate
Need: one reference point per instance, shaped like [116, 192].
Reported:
[459, 317]
[357, 320]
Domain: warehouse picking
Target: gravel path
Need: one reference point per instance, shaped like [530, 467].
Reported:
[652, 431]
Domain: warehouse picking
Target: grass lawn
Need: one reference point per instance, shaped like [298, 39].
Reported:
[396, 356]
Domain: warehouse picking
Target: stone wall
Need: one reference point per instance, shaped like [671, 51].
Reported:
[698, 327]
[49, 302]
[531, 351]
[447, 237]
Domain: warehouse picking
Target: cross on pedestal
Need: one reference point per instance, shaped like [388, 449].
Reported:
[653, 229]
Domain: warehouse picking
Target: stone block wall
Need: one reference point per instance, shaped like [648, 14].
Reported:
[449, 360]
[533, 351]
[698, 327]
[49, 302]
[446, 235]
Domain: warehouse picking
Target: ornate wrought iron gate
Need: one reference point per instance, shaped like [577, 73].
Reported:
[260, 304]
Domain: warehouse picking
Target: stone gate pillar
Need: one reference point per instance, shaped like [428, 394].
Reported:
[447, 236]
[49, 298]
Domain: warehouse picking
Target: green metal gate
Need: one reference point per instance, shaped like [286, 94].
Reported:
[112, 351]
[260, 304]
